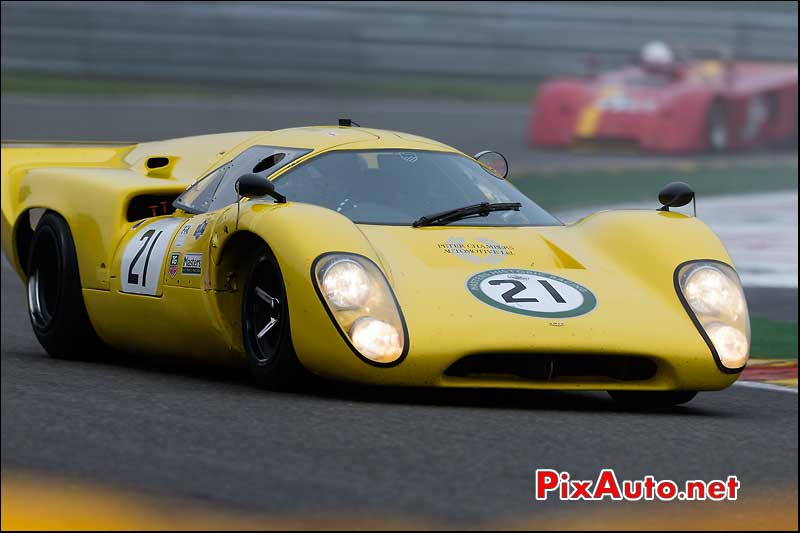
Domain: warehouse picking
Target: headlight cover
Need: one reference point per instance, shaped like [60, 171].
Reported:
[363, 307]
[345, 284]
[712, 294]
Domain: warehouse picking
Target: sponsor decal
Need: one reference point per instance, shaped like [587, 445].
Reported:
[479, 251]
[200, 229]
[531, 293]
[408, 157]
[192, 264]
[343, 204]
[181, 238]
[173, 264]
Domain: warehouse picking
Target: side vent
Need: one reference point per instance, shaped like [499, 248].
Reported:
[160, 166]
[150, 205]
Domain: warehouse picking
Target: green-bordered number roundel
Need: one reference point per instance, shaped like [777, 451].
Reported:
[531, 293]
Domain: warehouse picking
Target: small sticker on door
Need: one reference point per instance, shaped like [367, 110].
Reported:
[192, 264]
[173, 264]
[181, 238]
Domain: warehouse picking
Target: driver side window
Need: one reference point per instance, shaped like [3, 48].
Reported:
[198, 197]
[218, 189]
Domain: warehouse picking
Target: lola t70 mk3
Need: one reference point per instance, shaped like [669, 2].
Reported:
[368, 256]
[666, 104]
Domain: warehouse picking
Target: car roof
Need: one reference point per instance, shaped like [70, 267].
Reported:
[323, 138]
[316, 139]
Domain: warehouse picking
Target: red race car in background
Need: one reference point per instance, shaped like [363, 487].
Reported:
[667, 105]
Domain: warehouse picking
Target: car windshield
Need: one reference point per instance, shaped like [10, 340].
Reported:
[645, 78]
[392, 187]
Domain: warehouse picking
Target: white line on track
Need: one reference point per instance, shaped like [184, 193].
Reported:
[765, 386]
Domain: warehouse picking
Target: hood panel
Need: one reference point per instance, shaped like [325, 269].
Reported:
[465, 248]
[447, 318]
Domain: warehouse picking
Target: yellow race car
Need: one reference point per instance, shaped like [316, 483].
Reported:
[364, 255]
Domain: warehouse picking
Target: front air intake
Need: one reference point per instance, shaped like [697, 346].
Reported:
[554, 367]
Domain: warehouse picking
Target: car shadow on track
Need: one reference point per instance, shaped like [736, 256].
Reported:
[534, 400]
[319, 388]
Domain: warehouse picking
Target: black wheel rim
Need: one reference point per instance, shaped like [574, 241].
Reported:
[265, 312]
[44, 287]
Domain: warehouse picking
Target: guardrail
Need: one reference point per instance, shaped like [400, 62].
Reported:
[240, 42]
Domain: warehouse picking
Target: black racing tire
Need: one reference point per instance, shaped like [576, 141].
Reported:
[270, 353]
[718, 137]
[55, 301]
[651, 399]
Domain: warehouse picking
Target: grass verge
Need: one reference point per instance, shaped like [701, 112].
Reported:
[772, 339]
[581, 189]
[22, 83]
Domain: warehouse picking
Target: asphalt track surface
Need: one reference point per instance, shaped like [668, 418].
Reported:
[171, 429]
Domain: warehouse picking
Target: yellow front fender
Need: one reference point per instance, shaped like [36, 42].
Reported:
[626, 258]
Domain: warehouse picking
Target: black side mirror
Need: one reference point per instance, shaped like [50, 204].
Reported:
[675, 194]
[255, 186]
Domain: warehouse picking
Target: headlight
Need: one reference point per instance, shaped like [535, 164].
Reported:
[732, 345]
[363, 307]
[711, 292]
[713, 296]
[346, 284]
[376, 339]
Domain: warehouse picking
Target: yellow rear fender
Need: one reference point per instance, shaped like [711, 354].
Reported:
[91, 185]
[25, 185]
[95, 204]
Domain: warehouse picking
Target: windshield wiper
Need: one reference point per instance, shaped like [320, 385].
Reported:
[451, 215]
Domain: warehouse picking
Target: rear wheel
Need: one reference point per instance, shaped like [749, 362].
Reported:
[717, 135]
[55, 301]
[650, 400]
[265, 325]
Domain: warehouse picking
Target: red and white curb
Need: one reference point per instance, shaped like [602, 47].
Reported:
[770, 374]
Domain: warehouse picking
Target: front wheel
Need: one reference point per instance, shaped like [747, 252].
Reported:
[265, 325]
[650, 400]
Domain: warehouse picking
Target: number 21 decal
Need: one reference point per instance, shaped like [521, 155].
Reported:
[531, 293]
[133, 279]
[510, 295]
[144, 255]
